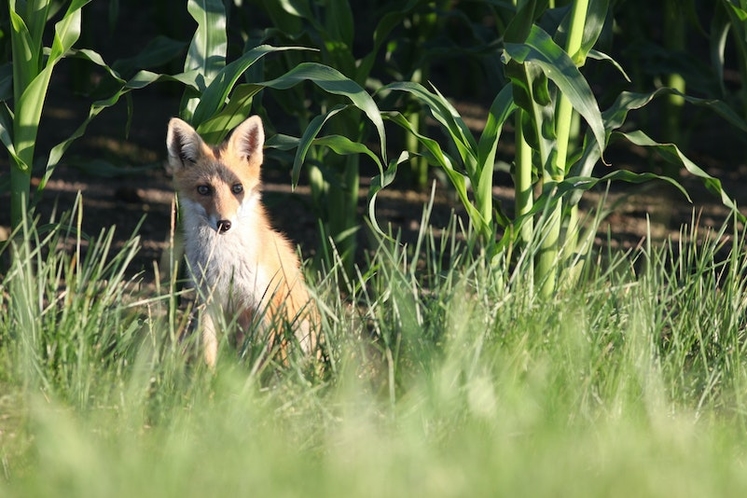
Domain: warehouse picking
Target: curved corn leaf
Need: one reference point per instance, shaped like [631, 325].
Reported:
[379, 182]
[157, 52]
[539, 49]
[596, 16]
[601, 56]
[214, 96]
[435, 155]
[343, 146]
[332, 81]
[443, 112]
[26, 53]
[502, 107]
[615, 116]
[238, 108]
[672, 154]
[309, 135]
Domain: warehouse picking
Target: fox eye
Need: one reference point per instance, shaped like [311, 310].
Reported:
[203, 190]
[237, 189]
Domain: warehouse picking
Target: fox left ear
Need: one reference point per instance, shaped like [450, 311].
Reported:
[184, 145]
[247, 140]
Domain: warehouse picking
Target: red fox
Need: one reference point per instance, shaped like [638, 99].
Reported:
[238, 264]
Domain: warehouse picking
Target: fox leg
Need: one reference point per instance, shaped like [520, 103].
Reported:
[209, 339]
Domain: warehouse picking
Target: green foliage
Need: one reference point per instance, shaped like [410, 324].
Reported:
[546, 87]
[440, 370]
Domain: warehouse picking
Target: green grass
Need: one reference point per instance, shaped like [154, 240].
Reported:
[445, 378]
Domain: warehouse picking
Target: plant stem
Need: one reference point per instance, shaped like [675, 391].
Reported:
[554, 171]
[674, 39]
[20, 187]
[523, 181]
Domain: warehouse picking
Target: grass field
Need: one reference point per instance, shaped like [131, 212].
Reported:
[445, 378]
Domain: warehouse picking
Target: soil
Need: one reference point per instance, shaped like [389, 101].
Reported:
[123, 180]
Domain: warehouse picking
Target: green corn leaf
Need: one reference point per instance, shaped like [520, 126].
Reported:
[95, 58]
[207, 52]
[521, 24]
[438, 157]
[209, 46]
[28, 114]
[343, 146]
[503, 106]
[332, 81]
[616, 115]
[541, 50]
[309, 135]
[215, 95]
[596, 16]
[26, 54]
[282, 142]
[601, 56]
[35, 15]
[157, 52]
[66, 31]
[379, 182]
[238, 108]
[443, 112]
[340, 22]
[672, 154]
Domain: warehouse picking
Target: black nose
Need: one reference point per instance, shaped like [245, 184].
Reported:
[224, 226]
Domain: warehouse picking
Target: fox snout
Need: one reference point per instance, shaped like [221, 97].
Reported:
[223, 226]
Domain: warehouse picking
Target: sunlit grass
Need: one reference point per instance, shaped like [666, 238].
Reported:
[445, 378]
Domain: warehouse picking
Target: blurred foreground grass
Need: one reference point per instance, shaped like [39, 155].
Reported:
[445, 378]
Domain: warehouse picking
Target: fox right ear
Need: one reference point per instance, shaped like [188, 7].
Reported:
[183, 143]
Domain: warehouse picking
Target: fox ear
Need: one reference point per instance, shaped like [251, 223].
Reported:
[247, 140]
[183, 143]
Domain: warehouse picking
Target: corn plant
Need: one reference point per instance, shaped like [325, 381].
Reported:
[220, 94]
[31, 67]
[31, 75]
[333, 172]
[730, 17]
[545, 89]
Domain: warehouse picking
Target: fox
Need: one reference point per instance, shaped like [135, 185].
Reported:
[239, 265]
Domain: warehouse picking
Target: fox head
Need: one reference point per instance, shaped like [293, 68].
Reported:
[217, 184]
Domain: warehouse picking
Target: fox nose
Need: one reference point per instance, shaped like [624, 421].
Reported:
[224, 226]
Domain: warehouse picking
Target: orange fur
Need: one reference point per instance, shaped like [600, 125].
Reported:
[237, 262]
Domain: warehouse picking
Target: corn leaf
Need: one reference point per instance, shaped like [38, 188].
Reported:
[539, 49]
[307, 139]
[672, 154]
[443, 112]
[209, 46]
[332, 81]
[215, 95]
